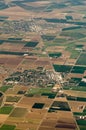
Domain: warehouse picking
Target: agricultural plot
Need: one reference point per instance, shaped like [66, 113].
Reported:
[12, 98]
[41, 92]
[19, 112]
[5, 88]
[55, 55]
[1, 42]
[11, 47]
[75, 88]
[73, 35]
[60, 41]
[78, 69]
[34, 36]
[71, 28]
[10, 61]
[77, 106]
[62, 68]
[48, 38]
[31, 44]
[75, 93]
[6, 109]
[58, 105]
[7, 127]
[28, 102]
[38, 105]
[81, 60]
[13, 90]
[57, 121]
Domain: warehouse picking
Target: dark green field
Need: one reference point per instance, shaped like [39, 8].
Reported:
[62, 68]
[7, 127]
[78, 69]
[55, 55]
[81, 60]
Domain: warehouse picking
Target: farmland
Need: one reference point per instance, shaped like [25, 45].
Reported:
[42, 65]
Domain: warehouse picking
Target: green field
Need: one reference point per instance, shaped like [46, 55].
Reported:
[55, 55]
[81, 60]
[31, 44]
[5, 88]
[7, 127]
[47, 37]
[78, 69]
[73, 35]
[6, 109]
[41, 92]
[62, 68]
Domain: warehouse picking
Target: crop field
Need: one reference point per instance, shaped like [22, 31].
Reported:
[42, 64]
[62, 68]
[77, 106]
[81, 60]
[12, 99]
[47, 38]
[41, 92]
[75, 88]
[75, 93]
[9, 46]
[57, 121]
[78, 69]
[55, 55]
[28, 102]
[57, 105]
[31, 44]
[5, 88]
[18, 112]
[6, 109]
[10, 61]
[13, 90]
[72, 35]
[6, 127]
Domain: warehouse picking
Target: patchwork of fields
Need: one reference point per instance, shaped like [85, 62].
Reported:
[43, 65]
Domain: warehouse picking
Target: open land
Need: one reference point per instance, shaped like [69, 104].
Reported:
[43, 65]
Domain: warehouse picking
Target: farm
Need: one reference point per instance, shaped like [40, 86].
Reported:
[81, 60]
[42, 65]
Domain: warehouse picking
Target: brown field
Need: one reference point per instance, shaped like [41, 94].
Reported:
[27, 63]
[70, 62]
[75, 75]
[75, 106]
[28, 102]
[44, 63]
[3, 117]
[11, 47]
[57, 121]
[13, 91]
[26, 126]
[55, 49]
[75, 93]
[23, 88]
[59, 61]
[10, 60]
